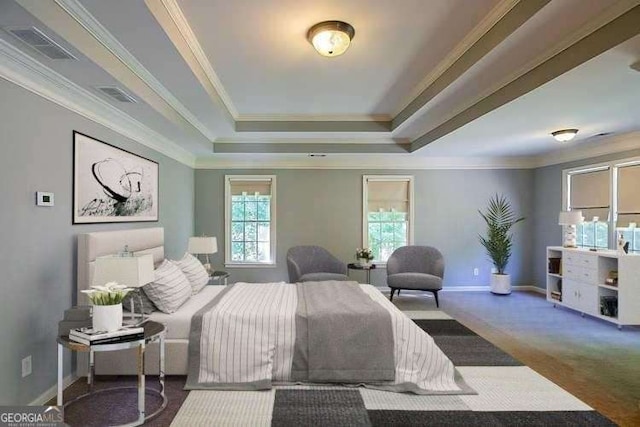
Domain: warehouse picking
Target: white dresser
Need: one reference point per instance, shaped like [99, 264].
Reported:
[576, 278]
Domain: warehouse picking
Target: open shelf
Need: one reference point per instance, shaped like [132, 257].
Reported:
[613, 288]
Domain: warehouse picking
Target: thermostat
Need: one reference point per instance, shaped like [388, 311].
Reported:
[44, 199]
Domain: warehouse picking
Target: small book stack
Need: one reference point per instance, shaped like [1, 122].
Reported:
[89, 336]
[555, 295]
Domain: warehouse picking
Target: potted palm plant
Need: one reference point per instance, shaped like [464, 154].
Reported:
[498, 242]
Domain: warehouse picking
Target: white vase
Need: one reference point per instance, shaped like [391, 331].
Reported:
[500, 284]
[107, 317]
[363, 262]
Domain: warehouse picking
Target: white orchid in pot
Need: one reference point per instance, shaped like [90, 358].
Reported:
[107, 305]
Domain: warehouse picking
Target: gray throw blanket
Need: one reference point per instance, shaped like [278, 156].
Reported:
[342, 335]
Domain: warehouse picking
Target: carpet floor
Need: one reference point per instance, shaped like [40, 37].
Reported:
[509, 393]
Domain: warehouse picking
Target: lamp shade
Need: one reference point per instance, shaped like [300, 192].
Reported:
[130, 271]
[570, 218]
[203, 245]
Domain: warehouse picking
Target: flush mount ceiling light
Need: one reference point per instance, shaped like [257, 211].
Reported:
[564, 135]
[331, 38]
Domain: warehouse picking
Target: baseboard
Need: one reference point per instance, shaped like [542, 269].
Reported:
[530, 288]
[51, 393]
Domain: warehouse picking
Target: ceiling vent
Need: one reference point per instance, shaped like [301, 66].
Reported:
[117, 94]
[40, 42]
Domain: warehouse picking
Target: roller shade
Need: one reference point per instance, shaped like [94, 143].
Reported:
[601, 213]
[590, 190]
[629, 190]
[625, 219]
[388, 195]
[262, 187]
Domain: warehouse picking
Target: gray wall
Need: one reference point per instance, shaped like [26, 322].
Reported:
[548, 203]
[323, 207]
[38, 250]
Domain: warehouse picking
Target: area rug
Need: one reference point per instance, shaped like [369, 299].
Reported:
[509, 394]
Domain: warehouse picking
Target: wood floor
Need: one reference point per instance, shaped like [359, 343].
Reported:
[587, 357]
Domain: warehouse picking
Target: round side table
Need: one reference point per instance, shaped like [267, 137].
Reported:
[367, 268]
[220, 277]
[153, 331]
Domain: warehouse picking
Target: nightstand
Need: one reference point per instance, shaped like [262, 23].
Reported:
[220, 277]
[153, 331]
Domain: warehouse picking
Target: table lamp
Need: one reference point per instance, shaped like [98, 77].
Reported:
[203, 245]
[570, 219]
[133, 271]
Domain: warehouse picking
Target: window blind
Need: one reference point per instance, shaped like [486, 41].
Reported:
[388, 195]
[628, 195]
[260, 186]
[590, 193]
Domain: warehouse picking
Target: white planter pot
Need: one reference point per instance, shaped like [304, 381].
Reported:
[363, 262]
[501, 284]
[107, 317]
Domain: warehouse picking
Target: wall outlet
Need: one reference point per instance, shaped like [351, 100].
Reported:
[476, 271]
[26, 366]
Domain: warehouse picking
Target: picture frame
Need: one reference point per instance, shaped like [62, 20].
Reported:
[111, 184]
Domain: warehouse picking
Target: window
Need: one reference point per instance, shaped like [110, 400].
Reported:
[628, 204]
[387, 205]
[590, 192]
[249, 219]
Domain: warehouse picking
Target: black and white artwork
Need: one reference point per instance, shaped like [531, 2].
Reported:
[111, 184]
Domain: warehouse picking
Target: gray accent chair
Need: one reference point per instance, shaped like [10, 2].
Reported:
[416, 268]
[313, 263]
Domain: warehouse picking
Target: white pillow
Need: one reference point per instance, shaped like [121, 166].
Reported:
[170, 288]
[195, 272]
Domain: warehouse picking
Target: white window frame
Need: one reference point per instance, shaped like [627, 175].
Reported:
[365, 218]
[227, 221]
[613, 190]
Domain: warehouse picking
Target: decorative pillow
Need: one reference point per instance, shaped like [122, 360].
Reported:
[147, 305]
[195, 272]
[170, 289]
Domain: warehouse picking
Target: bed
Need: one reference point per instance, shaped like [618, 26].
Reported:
[306, 323]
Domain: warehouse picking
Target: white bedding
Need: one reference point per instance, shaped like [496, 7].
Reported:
[178, 324]
[247, 341]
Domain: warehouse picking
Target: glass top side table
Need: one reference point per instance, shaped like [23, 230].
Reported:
[220, 277]
[367, 268]
[153, 331]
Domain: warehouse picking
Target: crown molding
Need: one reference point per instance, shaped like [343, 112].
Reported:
[495, 15]
[302, 141]
[178, 25]
[21, 69]
[81, 15]
[359, 161]
[315, 117]
[590, 149]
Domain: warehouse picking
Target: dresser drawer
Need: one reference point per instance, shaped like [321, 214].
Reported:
[581, 274]
[580, 259]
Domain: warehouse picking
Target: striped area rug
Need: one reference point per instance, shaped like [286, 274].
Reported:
[509, 394]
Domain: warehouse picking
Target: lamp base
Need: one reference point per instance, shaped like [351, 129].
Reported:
[570, 237]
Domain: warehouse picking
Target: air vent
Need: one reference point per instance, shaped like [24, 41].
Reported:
[317, 155]
[40, 42]
[117, 94]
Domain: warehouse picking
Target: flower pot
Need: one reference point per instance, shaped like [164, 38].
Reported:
[363, 262]
[107, 317]
[500, 284]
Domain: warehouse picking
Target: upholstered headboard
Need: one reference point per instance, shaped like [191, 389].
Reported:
[93, 245]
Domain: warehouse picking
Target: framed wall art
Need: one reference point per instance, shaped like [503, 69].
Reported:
[111, 184]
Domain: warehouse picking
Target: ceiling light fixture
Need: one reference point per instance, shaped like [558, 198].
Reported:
[331, 38]
[564, 135]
